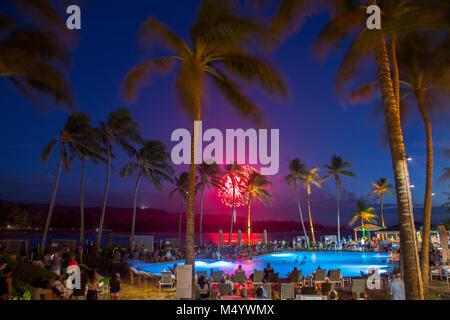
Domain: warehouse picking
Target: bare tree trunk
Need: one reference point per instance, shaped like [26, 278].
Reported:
[413, 283]
[338, 213]
[248, 220]
[133, 224]
[381, 211]
[105, 195]
[52, 203]
[232, 215]
[310, 219]
[301, 214]
[83, 167]
[424, 263]
[201, 215]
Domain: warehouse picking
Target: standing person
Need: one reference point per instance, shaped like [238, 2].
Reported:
[203, 288]
[5, 280]
[80, 294]
[114, 284]
[92, 284]
[397, 288]
[268, 270]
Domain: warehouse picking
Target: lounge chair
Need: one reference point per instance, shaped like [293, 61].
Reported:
[326, 288]
[216, 276]
[336, 277]
[268, 289]
[166, 279]
[240, 277]
[273, 277]
[287, 291]
[224, 289]
[358, 288]
[258, 277]
[310, 297]
[296, 276]
[319, 276]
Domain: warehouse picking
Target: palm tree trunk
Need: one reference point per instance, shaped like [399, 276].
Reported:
[133, 224]
[201, 215]
[363, 229]
[52, 203]
[232, 216]
[105, 195]
[338, 213]
[190, 214]
[180, 220]
[248, 220]
[301, 214]
[413, 283]
[83, 167]
[310, 219]
[395, 73]
[424, 263]
[381, 211]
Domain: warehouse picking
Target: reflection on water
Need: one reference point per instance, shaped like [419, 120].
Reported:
[350, 263]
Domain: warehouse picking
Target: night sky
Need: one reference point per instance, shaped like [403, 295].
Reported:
[313, 125]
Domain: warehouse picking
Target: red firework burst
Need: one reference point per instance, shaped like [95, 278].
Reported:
[225, 190]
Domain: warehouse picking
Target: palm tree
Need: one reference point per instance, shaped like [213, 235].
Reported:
[309, 178]
[151, 163]
[219, 48]
[336, 170]
[297, 170]
[365, 214]
[33, 58]
[88, 148]
[256, 189]
[182, 188]
[122, 130]
[381, 187]
[74, 134]
[208, 174]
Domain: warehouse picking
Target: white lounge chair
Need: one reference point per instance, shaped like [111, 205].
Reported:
[258, 277]
[166, 279]
[287, 291]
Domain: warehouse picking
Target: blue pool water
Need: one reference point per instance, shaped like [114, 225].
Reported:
[350, 263]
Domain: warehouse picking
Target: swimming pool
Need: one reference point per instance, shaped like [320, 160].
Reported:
[351, 263]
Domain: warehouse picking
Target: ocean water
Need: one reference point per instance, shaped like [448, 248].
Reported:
[351, 263]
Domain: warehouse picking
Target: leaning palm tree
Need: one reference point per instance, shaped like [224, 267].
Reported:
[89, 147]
[209, 177]
[34, 57]
[218, 52]
[365, 214]
[297, 170]
[122, 130]
[336, 170]
[73, 136]
[310, 177]
[257, 189]
[151, 164]
[381, 187]
[181, 188]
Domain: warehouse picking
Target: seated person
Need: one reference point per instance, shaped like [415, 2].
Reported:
[267, 271]
[203, 288]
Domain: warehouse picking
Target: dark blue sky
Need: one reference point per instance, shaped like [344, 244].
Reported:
[312, 124]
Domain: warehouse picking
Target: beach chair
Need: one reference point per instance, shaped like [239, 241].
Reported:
[240, 277]
[268, 289]
[308, 290]
[319, 276]
[224, 289]
[166, 279]
[287, 291]
[273, 277]
[311, 297]
[202, 273]
[258, 277]
[435, 273]
[216, 276]
[296, 276]
[335, 277]
[358, 288]
[326, 288]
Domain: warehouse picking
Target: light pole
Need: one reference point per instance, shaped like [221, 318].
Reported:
[413, 228]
